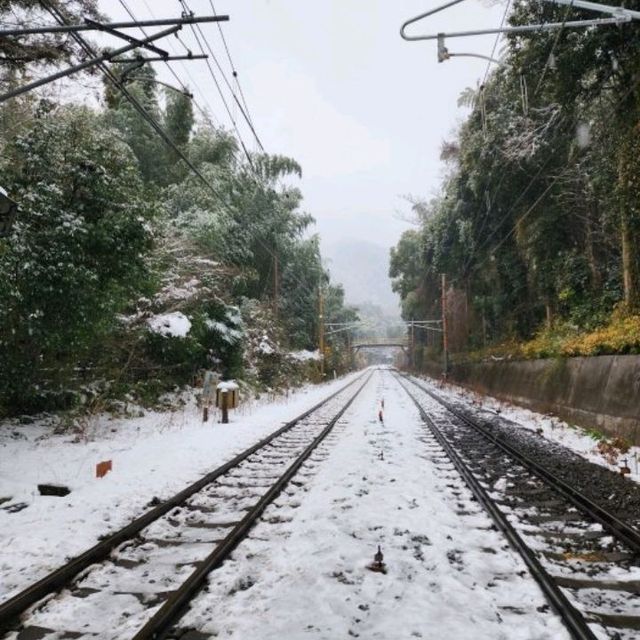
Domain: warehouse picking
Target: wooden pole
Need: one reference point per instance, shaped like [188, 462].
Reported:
[224, 400]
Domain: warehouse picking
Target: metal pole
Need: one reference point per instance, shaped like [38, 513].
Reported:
[87, 26]
[595, 6]
[92, 62]
[445, 338]
[546, 26]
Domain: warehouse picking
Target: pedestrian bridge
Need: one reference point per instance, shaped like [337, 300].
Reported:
[380, 343]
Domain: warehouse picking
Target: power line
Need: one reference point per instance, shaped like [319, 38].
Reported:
[86, 47]
[495, 43]
[173, 73]
[538, 200]
[553, 47]
[221, 94]
[224, 77]
[59, 16]
[171, 70]
[233, 68]
[94, 61]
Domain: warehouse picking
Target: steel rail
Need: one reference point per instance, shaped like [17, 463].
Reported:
[572, 618]
[19, 603]
[175, 606]
[627, 534]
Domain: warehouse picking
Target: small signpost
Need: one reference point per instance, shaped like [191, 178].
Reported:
[226, 398]
[208, 393]
[102, 468]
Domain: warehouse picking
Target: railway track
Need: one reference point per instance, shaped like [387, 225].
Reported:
[585, 559]
[139, 581]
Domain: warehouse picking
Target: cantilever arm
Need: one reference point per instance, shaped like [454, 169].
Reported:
[473, 55]
[619, 15]
[425, 15]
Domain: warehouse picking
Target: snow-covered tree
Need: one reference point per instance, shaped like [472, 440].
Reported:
[76, 253]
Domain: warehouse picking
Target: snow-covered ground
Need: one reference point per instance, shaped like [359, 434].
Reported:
[550, 427]
[154, 455]
[303, 572]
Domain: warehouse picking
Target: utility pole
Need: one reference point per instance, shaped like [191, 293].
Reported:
[91, 62]
[276, 289]
[412, 347]
[321, 328]
[445, 340]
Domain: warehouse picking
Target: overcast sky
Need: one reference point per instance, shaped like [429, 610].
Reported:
[332, 84]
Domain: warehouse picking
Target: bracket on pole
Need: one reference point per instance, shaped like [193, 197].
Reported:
[191, 56]
[619, 15]
[100, 26]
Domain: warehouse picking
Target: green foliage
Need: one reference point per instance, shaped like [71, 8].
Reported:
[537, 225]
[76, 253]
[113, 228]
[17, 53]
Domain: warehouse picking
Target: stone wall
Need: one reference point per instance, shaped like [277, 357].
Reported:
[600, 392]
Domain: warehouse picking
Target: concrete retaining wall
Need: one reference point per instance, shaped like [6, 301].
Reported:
[601, 392]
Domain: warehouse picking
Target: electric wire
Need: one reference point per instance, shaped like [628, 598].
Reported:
[197, 30]
[59, 16]
[221, 94]
[553, 47]
[206, 115]
[495, 43]
[481, 262]
[231, 64]
[245, 115]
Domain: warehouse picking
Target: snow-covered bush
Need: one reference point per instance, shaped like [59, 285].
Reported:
[76, 253]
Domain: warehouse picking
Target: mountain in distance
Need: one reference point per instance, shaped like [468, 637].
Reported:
[363, 269]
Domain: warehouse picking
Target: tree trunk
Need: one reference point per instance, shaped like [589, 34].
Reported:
[629, 186]
[596, 277]
[549, 313]
[629, 272]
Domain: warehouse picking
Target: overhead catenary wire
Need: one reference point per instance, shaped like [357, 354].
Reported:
[245, 115]
[547, 64]
[221, 94]
[173, 73]
[495, 42]
[232, 65]
[87, 48]
[530, 209]
[112, 78]
[206, 115]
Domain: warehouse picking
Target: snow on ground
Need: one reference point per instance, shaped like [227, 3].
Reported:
[154, 455]
[548, 426]
[303, 572]
[304, 355]
[174, 324]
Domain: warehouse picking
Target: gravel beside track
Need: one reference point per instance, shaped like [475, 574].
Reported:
[608, 489]
[588, 559]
